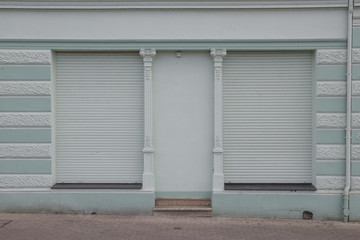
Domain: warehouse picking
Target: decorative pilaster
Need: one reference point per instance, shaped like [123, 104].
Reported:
[218, 175]
[148, 175]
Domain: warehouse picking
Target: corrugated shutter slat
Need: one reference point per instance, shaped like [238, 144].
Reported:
[267, 117]
[99, 117]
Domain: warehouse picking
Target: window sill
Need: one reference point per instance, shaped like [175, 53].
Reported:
[270, 186]
[97, 186]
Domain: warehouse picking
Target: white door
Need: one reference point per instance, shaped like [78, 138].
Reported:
[183, 123]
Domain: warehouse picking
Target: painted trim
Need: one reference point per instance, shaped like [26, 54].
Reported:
[25, 135]
[24, 72]
[148, 173]
[28, 166]
[169, 44]
[178, 4]
[53, 116]
[331, 72]
[218, 171]
[331, 105]
[25, 104]
[330, 136]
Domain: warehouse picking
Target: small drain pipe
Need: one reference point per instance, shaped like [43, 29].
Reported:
[346, 210]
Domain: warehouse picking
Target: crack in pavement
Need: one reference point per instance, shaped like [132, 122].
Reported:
[6, 223]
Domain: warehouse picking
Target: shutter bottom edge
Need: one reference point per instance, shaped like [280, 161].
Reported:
[97, 186]
[270, 186]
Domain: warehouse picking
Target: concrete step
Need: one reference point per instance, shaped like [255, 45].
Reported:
[183, 202]
[198, 207]
[190, 211]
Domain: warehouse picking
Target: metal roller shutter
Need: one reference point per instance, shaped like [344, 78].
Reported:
[267, 117]
[99, 117]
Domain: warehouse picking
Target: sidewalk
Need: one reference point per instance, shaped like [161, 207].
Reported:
[58, 226]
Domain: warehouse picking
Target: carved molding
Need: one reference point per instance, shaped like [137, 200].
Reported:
[24, 57]
[17, 88]
[148, 174]
[25, 150]
[25, 181]
[333, 88]
[25, 120]
[218, 174]
[330, 152]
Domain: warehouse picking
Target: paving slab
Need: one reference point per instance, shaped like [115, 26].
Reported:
[61, 226]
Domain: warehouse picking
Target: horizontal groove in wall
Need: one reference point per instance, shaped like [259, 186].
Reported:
[356, 104]
[32, 135]
[25, 104]
[25, 72]
[330, 72]
[330, 136]
[355, 168]
[356, 37]
[27, 166]
[331, 105]
[355, 72]
[333, 167]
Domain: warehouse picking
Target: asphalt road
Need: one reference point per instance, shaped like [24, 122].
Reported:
[59, 226]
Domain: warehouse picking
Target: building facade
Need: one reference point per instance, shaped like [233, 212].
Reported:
[106, 106]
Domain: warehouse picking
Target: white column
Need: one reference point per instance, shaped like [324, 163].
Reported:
[218, 175]
[148, 175]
